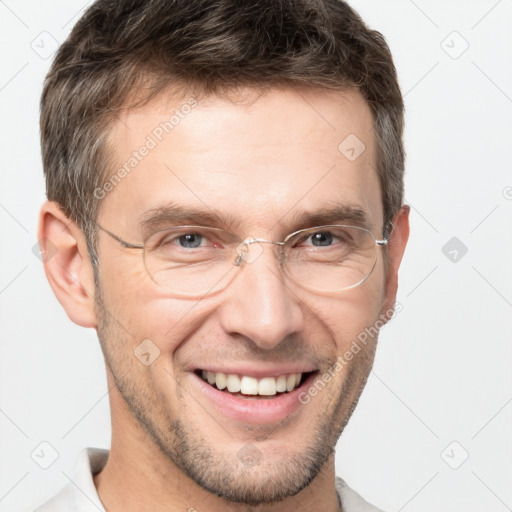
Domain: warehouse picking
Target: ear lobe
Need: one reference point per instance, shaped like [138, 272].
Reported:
[396, 248]
[67, 264]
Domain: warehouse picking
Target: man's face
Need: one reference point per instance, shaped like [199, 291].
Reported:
[260, 164]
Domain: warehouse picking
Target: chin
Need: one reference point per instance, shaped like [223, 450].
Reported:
[256, 473]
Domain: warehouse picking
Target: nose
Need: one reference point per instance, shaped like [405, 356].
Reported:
[259, 303]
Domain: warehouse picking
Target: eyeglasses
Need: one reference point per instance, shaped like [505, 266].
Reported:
[194, 261]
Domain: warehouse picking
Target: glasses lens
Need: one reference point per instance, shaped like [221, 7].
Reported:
[331, 258]
[193, 261]
[190, 260]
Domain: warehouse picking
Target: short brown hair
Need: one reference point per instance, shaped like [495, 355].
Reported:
[120, 47]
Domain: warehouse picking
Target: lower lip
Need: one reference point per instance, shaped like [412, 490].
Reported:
[258, 410]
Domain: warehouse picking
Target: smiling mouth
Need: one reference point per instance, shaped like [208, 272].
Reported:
[246, 386]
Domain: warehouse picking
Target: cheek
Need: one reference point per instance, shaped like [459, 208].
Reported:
[122, 274]
[141, 310]
[351, 314]
[129, 295]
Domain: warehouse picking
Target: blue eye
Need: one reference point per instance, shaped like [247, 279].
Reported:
[190, 240]
[322, 237]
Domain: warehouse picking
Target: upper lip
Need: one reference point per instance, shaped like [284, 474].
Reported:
[258, 372]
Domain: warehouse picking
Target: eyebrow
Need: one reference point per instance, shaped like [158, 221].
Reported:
[335, 214]
[175, 214]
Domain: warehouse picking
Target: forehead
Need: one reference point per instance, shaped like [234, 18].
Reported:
[257, 158]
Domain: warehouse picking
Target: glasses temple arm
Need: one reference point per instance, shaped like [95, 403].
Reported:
[124, 243]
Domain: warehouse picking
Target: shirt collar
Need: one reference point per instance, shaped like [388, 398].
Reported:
[85, 495]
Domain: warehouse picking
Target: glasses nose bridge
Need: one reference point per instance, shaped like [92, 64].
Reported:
[243, 247]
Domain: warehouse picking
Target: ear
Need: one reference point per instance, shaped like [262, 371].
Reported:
[67, 264]
[396, 247]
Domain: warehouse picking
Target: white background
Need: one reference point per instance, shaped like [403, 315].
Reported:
[443, 366]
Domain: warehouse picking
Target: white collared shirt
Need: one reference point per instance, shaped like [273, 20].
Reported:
[80, 495]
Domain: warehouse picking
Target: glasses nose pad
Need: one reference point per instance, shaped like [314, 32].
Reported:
[244, 254]
[282, 253]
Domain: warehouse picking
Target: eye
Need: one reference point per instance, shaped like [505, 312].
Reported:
[183, 240]
[187, 240]
[182, 246]
[322, 238]
[325, 238]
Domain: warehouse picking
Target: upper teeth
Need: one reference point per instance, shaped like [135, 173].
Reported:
[251, 386]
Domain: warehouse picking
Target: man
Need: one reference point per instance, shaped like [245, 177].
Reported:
[225, 184]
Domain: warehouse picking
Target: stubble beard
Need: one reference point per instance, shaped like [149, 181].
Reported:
[224, 474]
